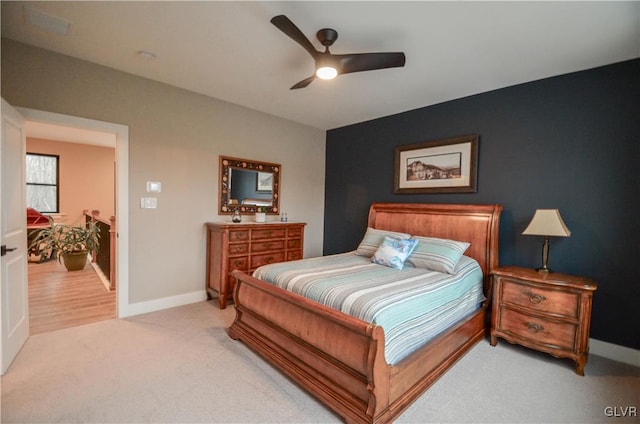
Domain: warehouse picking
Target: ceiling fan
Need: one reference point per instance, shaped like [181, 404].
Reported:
[329, 65]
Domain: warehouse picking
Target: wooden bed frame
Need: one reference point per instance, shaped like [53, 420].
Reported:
[339, 358]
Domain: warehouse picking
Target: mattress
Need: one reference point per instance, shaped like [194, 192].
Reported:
[412, 305]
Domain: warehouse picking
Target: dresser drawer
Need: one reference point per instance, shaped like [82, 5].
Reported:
[538, 330]
[240, 262]
[294, 244]
[267, 258]
[268, 233]
[238, 235]
[294, 255]
[265, 246]
[539, 299]
[238, 249]
[294, 232]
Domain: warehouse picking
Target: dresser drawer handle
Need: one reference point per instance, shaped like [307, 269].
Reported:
[535, 298]
[238, 262]
[269, 233]
[239, 248]
[268, 259]
[533, 327]
[269, 245]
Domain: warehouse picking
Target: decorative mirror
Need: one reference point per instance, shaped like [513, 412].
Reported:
[247, 185]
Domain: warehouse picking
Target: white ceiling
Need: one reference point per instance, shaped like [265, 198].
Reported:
[230, 50]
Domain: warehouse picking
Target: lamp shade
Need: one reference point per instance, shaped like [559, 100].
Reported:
[547, 222]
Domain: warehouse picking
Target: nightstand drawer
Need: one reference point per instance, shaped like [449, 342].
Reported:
[549, 301]
[537, 329]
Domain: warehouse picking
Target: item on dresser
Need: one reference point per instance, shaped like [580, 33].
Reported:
[245, 247]
[236, 216]
[340, 358]
[546, 312]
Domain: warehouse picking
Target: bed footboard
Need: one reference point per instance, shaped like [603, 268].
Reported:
[338, 358]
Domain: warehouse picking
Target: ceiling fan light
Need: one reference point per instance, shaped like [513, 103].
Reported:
[327, 72]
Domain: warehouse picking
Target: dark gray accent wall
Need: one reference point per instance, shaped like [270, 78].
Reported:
[570, 142]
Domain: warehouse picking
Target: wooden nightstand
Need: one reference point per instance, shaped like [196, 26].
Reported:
[547, 312]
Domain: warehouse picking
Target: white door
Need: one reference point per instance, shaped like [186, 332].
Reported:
[14, 298]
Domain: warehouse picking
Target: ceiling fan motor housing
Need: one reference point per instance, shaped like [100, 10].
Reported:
[327, 36]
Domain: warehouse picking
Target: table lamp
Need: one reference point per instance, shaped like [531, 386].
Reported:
[547, 223]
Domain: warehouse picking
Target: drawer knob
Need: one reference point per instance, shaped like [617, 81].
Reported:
[535, 298]
[533, 327]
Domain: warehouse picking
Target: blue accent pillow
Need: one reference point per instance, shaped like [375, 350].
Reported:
[392, 252]
[436, 254]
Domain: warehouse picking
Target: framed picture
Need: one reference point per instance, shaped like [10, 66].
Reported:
[264, 181]
[440, 166]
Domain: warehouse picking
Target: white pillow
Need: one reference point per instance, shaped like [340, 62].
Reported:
[373, 238]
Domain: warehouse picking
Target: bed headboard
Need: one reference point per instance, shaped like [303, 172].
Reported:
[475, 224]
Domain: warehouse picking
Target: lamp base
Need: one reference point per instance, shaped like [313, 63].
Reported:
[544, 271]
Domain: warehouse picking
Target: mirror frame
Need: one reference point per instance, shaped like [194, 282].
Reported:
[227, 163]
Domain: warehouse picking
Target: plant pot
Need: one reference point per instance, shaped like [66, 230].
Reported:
[74, 261]
[261, 217]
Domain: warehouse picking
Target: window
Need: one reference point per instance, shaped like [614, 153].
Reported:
[42, 182]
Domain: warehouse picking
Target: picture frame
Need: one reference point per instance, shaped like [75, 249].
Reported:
[448, 165]
[264, 182]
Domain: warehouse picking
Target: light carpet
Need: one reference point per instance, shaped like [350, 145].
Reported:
[180, 366]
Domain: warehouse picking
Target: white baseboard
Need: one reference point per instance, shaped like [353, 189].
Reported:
[163, 303]
[615, 352]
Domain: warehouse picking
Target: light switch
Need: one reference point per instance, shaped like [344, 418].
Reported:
[154, 187]
[148, 202]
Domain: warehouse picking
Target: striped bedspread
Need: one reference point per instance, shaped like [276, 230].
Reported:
[411, 305]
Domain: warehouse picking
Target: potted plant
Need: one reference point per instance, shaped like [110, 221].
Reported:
[261, 214]
[69, 243]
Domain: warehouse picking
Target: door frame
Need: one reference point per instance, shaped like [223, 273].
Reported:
[122, 190]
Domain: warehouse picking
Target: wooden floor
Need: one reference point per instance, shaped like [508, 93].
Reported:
[60, 299]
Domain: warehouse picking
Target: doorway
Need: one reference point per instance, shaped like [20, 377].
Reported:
[77, 167]
[120, 134]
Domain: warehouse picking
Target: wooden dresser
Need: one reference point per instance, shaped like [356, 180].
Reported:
[246, 246]
[547, 312]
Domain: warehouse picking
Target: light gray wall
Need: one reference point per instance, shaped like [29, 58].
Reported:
[175, 137]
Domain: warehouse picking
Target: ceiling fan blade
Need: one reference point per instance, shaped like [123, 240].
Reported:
[358, 62]
[285, 25]
[304, 82]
